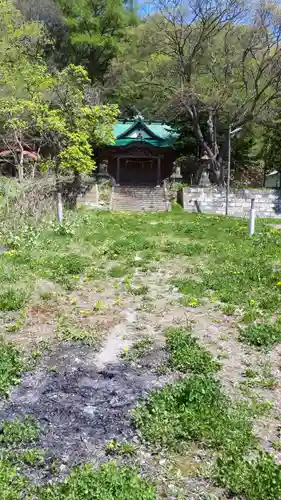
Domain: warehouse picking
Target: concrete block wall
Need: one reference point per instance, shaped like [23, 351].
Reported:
[212, 201]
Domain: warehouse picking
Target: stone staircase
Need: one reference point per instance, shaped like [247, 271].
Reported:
[139, 199]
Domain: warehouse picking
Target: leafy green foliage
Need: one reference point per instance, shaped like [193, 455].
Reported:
[106, 483]
[19, 431]
[96, 28]
[12, 299]
[137, 350]
[120, 448]
[70, 332]
[258, 479]
[33, 457]
[11, 366]
[186, 354]
[12, 484]
[261, 335]
[194, 409]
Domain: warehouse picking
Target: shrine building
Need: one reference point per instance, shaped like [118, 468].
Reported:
[143, 152]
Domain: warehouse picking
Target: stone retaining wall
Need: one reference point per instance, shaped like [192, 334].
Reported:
[212, 201]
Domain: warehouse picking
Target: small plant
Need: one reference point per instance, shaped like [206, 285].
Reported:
[118, 271]
[99, 306]
[141, 290]
[261, 335]
[187, 301]
[258, 479]
[33, 457]
[11, 366]
[73, 333]
[12, 483]
[46, 296]
[194, 409]
[18, 431]
[249, 373]
[12, 299]
[138, 350]
[107, 482]
[65, 228]
[187, 354]
[228, 309]
[120, 448]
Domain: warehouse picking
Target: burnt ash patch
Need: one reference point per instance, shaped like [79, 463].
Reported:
[79, 407]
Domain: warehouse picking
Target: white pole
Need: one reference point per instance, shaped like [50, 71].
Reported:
[228, 171]
[59, 208]
[252, 218]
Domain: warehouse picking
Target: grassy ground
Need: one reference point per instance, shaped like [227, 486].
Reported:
[188, 297]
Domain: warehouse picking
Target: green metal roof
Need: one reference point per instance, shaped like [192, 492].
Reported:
[139, 130]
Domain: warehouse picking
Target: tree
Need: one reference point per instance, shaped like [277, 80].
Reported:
[23, 75]
[48, 13]
[96, 28]
[206, 64]
[46, 112]
[229, 70]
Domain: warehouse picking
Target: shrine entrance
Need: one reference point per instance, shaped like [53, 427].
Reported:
[142, 171]
[143, 152]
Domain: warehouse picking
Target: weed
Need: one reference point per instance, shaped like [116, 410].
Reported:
[228, 309]
[140, 290]
[194, 409]
[261, 335]
[186, 354]
[99, 306]
[33, 457]
[119, 271]
[72, 333]
[18, 431]
[15, 327]
[61, 268]
[12, 299]
[11, 482]
[276, 445]
[249, 373]
[46, 296]
[120, 448]
[11, 366]
[106, 483]
[138, 350]
[257, 479]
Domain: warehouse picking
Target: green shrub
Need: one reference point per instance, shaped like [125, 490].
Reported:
[258, 479]
[261, 335]
[11, 366]
[12, 484]
[19, 431]
[12, 299]
[61, 267]
[106, 483]
[194, 409]
[187, 354]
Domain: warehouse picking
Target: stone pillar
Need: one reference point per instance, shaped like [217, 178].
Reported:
[158, 171]
[118, 172]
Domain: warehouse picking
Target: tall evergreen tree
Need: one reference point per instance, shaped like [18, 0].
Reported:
[96, 28]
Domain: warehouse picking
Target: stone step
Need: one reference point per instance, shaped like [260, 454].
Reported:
[139, 198]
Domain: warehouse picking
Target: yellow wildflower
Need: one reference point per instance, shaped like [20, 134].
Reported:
[126, 348]
[252, 301]
[278, 283]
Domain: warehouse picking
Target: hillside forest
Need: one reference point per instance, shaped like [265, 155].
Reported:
[70, 69]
